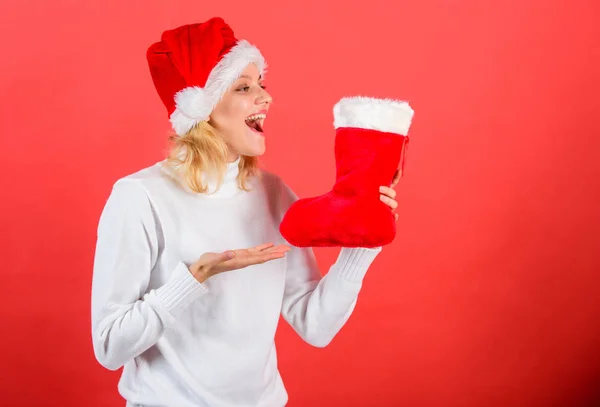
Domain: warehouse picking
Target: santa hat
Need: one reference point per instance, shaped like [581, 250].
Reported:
[194, 65]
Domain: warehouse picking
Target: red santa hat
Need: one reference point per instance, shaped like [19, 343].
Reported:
[192, 66]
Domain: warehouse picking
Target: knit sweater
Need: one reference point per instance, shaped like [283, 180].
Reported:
[183, 343]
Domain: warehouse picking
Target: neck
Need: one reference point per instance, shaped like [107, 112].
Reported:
[231, 158]
[229, 185]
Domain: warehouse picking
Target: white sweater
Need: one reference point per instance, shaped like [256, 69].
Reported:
[187, 344]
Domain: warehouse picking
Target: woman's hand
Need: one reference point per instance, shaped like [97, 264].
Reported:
[210, 263]
[388, 194]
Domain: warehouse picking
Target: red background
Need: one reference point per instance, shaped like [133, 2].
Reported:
[490, 294]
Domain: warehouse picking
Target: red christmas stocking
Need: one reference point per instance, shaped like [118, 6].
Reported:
[370, 145]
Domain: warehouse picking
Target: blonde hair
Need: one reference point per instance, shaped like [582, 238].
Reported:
[201, 151]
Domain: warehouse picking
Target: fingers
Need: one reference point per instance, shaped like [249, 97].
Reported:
[260, 247]
[256, 255]
[237, 259]
[389, 201]
[268, 248]
[279, 248]
[388, 191]
[272, 253]
[263, 258]
[388, 196]
[218, 258]
[255, 258]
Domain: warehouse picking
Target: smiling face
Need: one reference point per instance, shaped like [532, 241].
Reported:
[240, 115]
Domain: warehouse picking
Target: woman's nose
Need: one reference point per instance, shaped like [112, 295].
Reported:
[264, 97]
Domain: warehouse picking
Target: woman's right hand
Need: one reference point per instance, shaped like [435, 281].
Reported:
[210, 263]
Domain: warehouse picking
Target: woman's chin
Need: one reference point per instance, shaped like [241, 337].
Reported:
[256, 143]
[256, 151]
[252, 148]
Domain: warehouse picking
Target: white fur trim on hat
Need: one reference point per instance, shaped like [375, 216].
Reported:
[194, 104]
[391, 116]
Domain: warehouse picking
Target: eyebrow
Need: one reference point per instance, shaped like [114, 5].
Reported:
[248, 77]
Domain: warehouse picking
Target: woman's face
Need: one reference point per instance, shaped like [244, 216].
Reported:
[240, 115]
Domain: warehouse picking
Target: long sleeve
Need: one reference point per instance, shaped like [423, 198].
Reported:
[317, 306]
[127, 318]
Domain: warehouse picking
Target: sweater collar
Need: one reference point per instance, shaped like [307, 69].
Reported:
[229, 184]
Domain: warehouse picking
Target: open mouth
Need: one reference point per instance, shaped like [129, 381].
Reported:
[256, 122]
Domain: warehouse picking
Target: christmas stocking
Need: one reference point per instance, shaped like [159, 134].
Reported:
[370, 145]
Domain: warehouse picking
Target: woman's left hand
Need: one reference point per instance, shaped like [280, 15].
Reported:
[388, 194]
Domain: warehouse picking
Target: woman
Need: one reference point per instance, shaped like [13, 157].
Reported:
[191, 273]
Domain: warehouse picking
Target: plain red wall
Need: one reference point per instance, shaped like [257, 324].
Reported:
[489, 296]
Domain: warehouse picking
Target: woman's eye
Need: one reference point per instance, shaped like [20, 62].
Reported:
[244, 88]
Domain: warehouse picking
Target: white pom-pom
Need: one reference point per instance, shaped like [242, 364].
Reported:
[192, 106]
